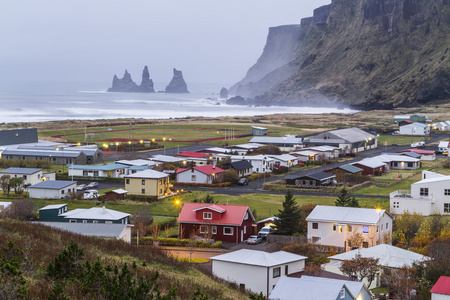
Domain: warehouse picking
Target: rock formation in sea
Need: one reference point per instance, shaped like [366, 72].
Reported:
[366, 53]
[224, 93]
[177, 84]
[127, 85]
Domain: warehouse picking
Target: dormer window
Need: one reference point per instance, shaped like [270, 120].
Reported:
[207, 215]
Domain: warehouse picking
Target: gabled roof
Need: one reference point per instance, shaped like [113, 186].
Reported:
[251, 157]
[118, 191]
[408, 153]
[53, 206]
[316, 176]
[214, 207]
[209, 169]
[166, 158]
[283, 157]
[444, 144]
[4, 205]
[136, 162]
[94, 213]
[321, 148]
[192, 154]
[233, 215]
[352, 135]
[370, 163]
[24, 171]
[390, 256]
[346, 215]
[246, 146]
[396, 157]
[89, 229]
[241, 165]
[108, 167]
[350, 168]
[148, 174]
[419, 151]
[37, 152]
[442, 286]
[259, 258]
[433, 179]
[52, 184]
[276, 140]
[305, 153]
[215, 150]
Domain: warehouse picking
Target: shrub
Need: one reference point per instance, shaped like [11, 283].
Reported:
[173, 242]
[280, 170]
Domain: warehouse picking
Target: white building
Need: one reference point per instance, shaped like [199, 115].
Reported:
[243, 149]
[304, 155]
[53, 189]
[4, 206]
[260, 163]
[389, 257]
[336, 226]
[323, 152]
[400, 162]
[442, 126]
[257, 271]
[202, 174]
[109, 170]
[428, 196]
[285, 143]
[29, 175]
[284, 160]
[415, 129]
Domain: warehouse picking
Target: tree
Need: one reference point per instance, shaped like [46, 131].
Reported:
[230, 175]
[4, 183]
[12, 282]
[16, 184]
[356, 240]
[288, 219]
[22, 209]
[345, 200]
[400, 282]
[360, 267]
[268, 149]
[142, 220]
[209, 199]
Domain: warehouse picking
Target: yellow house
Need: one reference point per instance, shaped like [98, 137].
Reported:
[147, 182]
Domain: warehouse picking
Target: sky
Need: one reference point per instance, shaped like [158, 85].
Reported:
[211, 41]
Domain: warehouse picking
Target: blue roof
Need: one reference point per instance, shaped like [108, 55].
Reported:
[350, 168]
[26, 171]
[109, 167]
[52, 184]
[139, 167]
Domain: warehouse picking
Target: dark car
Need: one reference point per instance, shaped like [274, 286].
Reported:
[92, 185]
[254, 239]
[243, 181]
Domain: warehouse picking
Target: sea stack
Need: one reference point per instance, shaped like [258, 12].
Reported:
[127, 85]
[146, 84]
[177, 84]
[224, 93]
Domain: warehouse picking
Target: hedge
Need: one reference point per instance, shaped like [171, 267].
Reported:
[223, 184]
[174, 242]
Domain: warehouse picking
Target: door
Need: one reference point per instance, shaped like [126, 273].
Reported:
[242, 235]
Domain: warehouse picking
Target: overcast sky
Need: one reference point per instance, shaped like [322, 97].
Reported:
[211, 41]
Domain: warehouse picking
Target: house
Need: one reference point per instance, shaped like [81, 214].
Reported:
[337, 226]
[166, 159]
[113, 231]
[442, 126]
[284, 160]
[371, 166]
[257, 271]
[424, 154]
[344, 172]
[59, 213]
[4, 206]
[350, 140]
[29, 175]
[148, 182]
[405, 122]
[137, 162]
[322, 152]
[109, 170]
[195, 157]
[56, 157]
[389, 257]
[305, 155]
[400, 162]
[259, 130]
[412, 118]
[118, 194]
[431, 195]
[243, 167]
[203, 174]
[415, 129]
[285, 143]
[316, 179]
[260, 163]
[401, 118]
[266, 222]
[441, 289]
[311, 288]
[221, 222]
[53, 189]
[444, 146]
[243, 149]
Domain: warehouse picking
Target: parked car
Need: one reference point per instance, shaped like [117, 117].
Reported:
[266, 231]
[90, 194]
[92, 185]
[418, 145]
[254, 240]
[243, 181]
[81, 187]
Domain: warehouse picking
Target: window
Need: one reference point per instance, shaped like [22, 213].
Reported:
[62, 191]
[365, 244]
[128, 181]
[84, 221]
[228, 230]
[315, 239]
[207, 215]
[349, 243]
[387, 225]
[276, 272]
[108, 222]
[410, 165]
[365, 229]
[342, 294]
[395, 164]
[315, 225]
[246, 216]
[193, 177]
[349, 228]
[24, 177]
[334, 227]
[214, 230]
[73, 221]
[447, 192]
[143, 191]
[95, 173]
[143, 181]
[160, 191]
[95, 221]
[203, 229]
[160, 182]
[245, 229]
[423, 191]
[447, 207]
[286, 269]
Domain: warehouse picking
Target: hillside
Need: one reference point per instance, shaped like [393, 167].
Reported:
[368, 54]
[42, 245]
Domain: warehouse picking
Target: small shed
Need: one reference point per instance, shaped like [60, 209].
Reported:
[441, 289]
[259, 130]
[51, 212]
[119, 194]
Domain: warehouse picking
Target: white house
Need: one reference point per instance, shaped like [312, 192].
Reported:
[284, 160]
[442, 126]
[389, 257]
[202, 174]
[337, 225]
[323, 152]
[441, 289]
[257, 271]
[304, 155]
[109, 170]
[260, 163]
[243, 149]
[52, 189]
[311, 288]
[29, 175]
[400, 162]
[415, 129]
[431, 195]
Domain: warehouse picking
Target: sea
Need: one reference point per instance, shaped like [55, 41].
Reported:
[50, 101]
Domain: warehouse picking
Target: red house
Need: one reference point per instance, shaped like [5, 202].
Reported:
[221, 222]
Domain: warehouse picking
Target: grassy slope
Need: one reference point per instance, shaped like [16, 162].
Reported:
[47, 243]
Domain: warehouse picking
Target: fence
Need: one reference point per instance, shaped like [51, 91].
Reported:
[285, 239]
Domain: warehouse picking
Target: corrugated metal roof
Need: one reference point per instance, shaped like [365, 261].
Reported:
[345, 215]
[94, 213]
[26, 171]
[233, 215]
[283, 157]
[109, 167]
[166, 158]
[241, 165]
[370, 162]
[52, 184]
[89, 229]
[32, 152]
[246, 146]
[350, 168]
[316, 176]
[276, 140]
[150, 174]
[352, 135]
[259, 258]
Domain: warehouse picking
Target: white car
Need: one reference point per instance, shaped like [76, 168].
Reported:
[90, 194]
[266, 231]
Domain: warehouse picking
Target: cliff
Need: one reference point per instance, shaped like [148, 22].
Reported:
[126, 84]
[365, 53]
[177, 84]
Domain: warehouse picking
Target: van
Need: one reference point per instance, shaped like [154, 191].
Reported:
[90, 194]
[266, 231]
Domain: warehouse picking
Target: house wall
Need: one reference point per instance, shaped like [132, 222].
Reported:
[126, 235]
[30, 178]
[187, 176]
[125, 220]
[97, 173]
[51, 214]
[402, 165]
[152, 187]
[240, 233]
[414, 130]
[52, 193]
[435, 296]
[371, 171]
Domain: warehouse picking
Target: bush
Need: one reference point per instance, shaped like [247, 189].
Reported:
[174, 242]
[223, 184]
[280, 170]
[143, 198]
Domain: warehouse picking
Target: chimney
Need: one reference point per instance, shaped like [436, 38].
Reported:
[103, 210]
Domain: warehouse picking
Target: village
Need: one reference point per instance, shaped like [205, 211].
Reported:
[358, 217]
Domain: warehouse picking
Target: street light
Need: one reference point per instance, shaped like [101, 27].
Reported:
[379, 227]
[178, 203]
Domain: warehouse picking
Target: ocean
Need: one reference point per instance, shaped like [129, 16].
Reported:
[49, 102]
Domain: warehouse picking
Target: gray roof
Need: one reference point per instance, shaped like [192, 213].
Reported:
[241, 165]
[52, 184]
[89, 229]
[94, 213]
[109, 167]
[18, 136]
[37, 152]
[345, 215]
[25, 171]
[53, 206]
[316, 176]
[350, 168]
[150, 174]
[259, 258]
[352, 135]
[276, 140]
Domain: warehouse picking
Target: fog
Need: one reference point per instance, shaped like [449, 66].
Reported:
[78, 41]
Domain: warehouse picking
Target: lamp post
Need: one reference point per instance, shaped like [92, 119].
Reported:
[178, 204]
[379, 227]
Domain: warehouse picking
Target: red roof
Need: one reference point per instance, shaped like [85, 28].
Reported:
[206, 169]
[179, 170]
[192, 154]
[231, 214]
[442, 286]
[418, 151]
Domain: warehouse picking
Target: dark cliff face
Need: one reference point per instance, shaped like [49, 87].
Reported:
[177, 84]
[146, 83]
[127, 85]
[369, 54]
